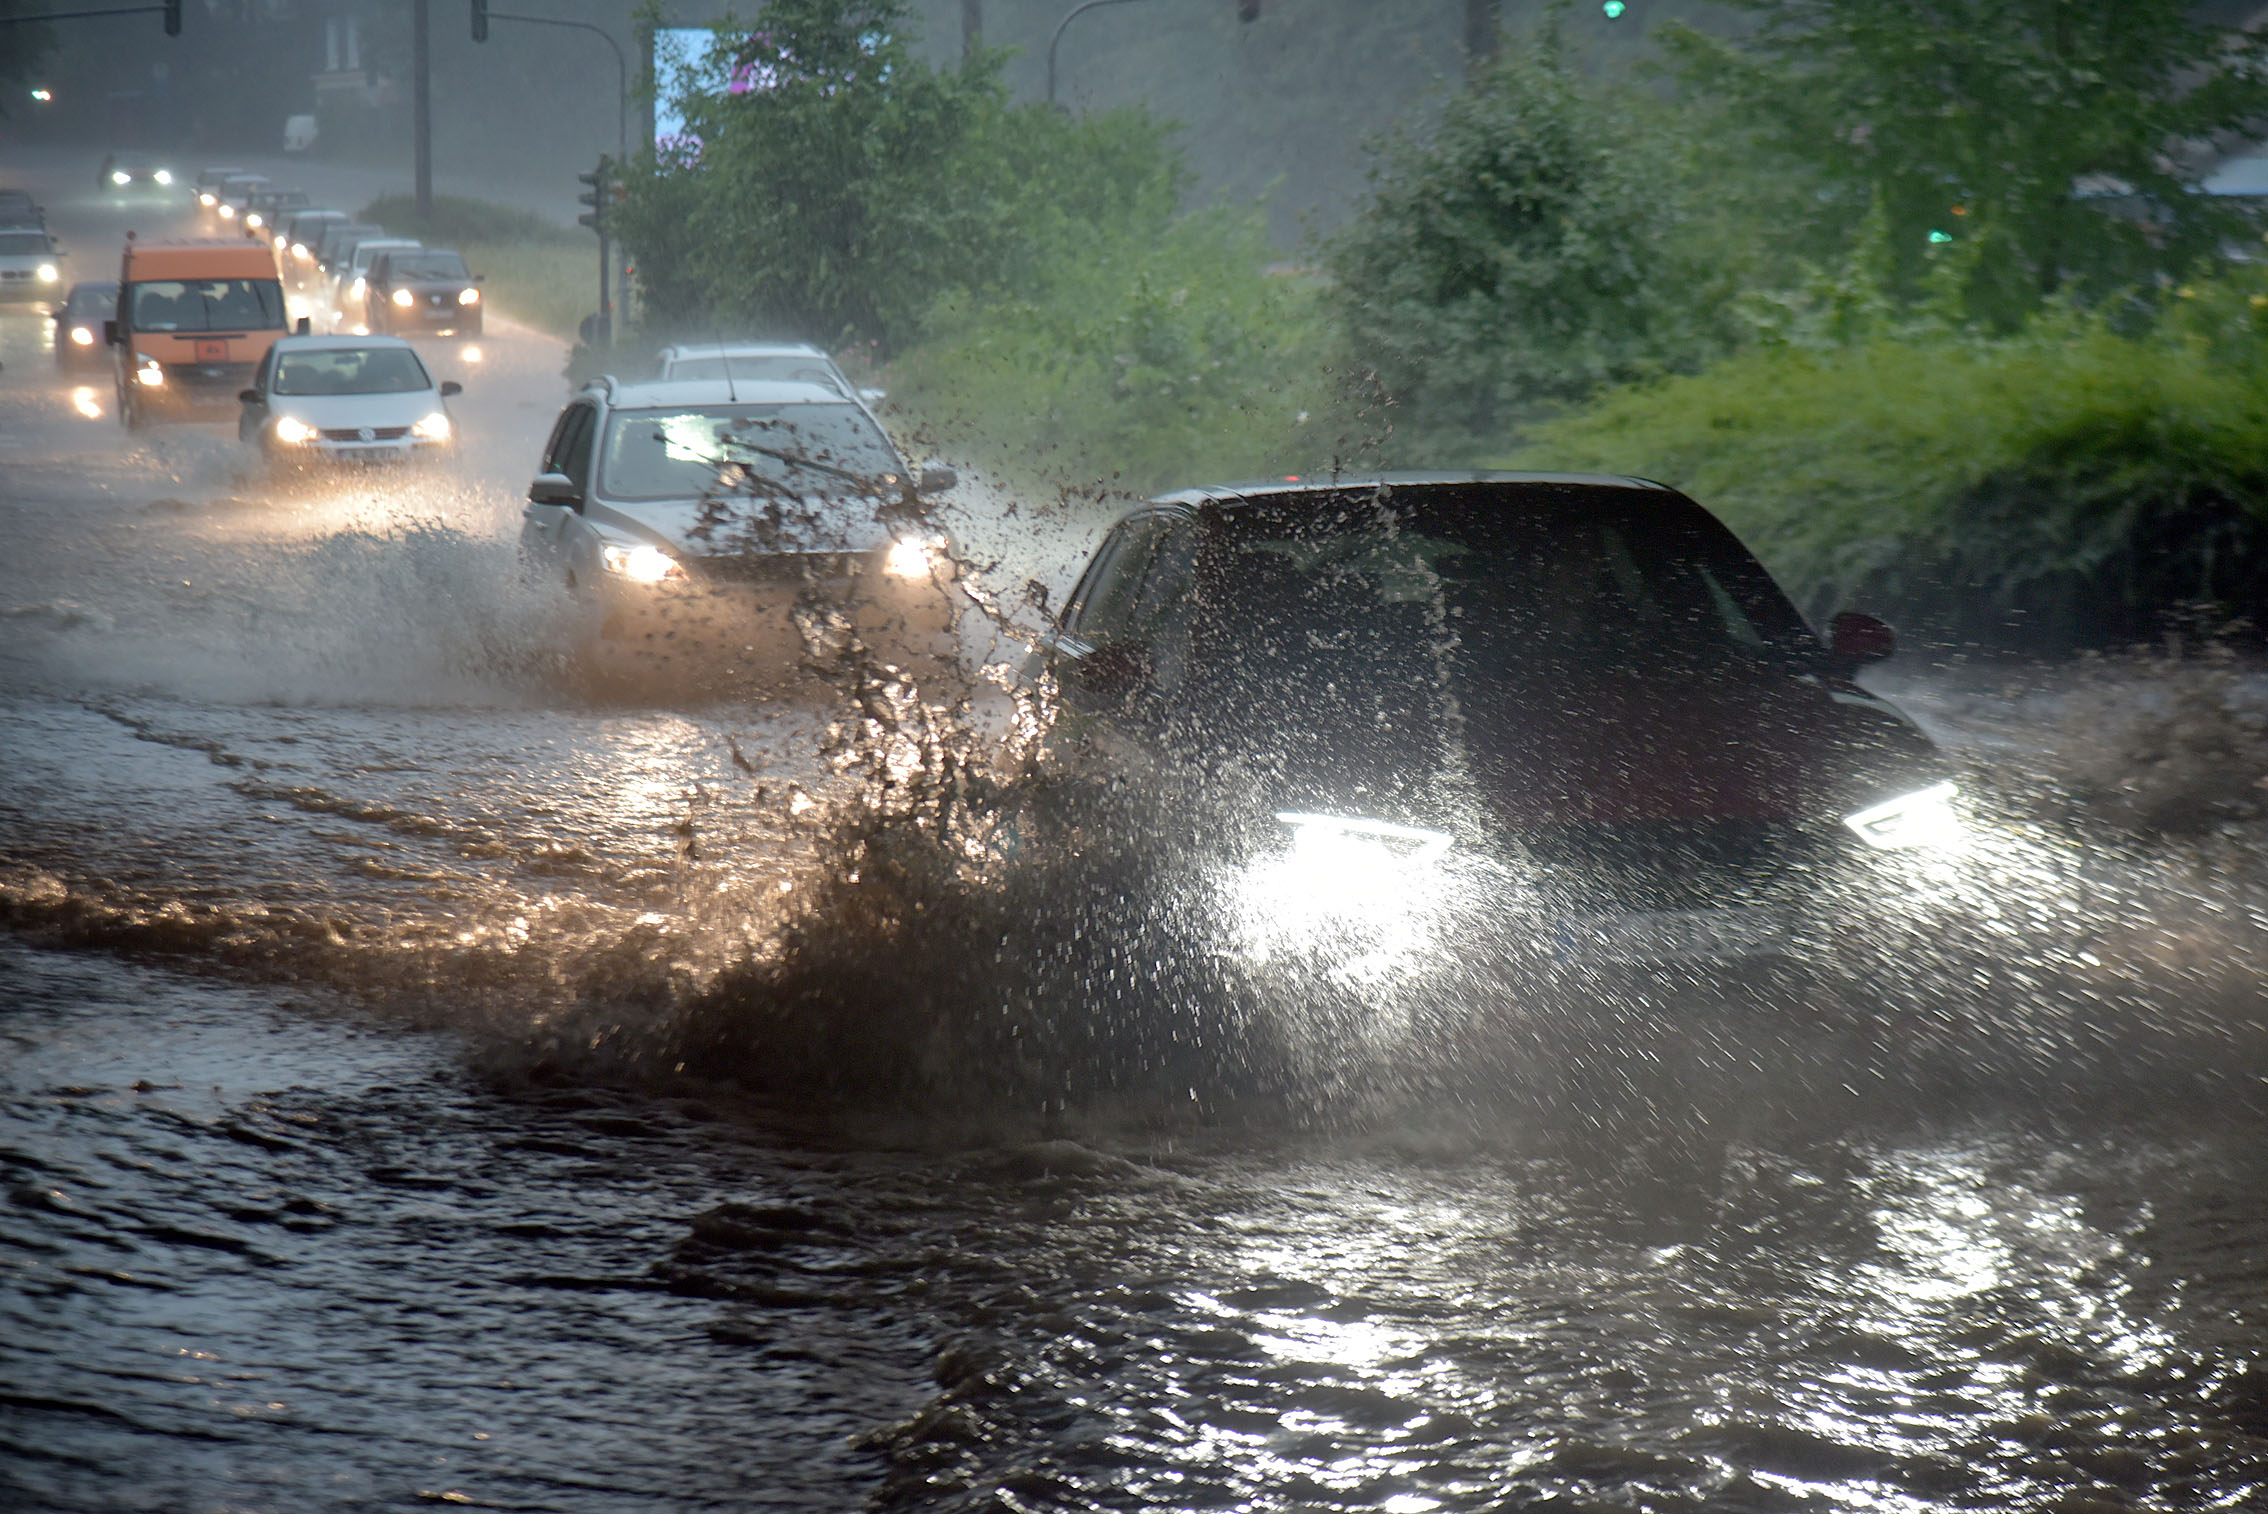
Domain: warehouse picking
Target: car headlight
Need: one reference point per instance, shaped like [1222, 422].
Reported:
[1922, 818]
[299, 251]
[120, 176]
[82, 336]
[404, 298]
[641, 564]
[47, 273]
[359, 286]
[913, 557]
[206, 200]
[291, 430]
[163, 176]
[228, 212]
[434, 428]
[149, 375]
[255, 220]
[468, 296]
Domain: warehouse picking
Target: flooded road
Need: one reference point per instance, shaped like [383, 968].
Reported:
[390, 1116]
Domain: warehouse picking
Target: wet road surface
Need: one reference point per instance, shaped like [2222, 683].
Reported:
[350, 1162]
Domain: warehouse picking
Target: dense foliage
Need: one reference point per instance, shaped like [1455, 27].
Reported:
[2011, 150]
[1529, 249]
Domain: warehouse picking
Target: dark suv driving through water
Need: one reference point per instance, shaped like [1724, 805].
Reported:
[1573, 716]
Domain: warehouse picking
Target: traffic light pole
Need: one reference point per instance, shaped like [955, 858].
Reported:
[1246, 10]
[421, 68]
[171, 10]
[601, 181]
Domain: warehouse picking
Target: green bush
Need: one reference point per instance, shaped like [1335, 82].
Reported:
[1167, 359]
[2069, 486]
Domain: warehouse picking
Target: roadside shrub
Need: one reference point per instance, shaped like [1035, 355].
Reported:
[457, 219]
[2067, 487]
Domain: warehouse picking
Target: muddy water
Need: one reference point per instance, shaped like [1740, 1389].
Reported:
[407, 1101]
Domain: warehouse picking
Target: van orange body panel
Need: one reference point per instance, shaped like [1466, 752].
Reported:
[204, 368]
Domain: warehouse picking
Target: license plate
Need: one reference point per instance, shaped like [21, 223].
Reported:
[212, 352]
[368, 454]
[1693, 935]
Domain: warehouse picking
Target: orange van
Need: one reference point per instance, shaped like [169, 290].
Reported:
[194, 319]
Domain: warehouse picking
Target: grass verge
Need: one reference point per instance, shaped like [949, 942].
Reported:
[539, 274]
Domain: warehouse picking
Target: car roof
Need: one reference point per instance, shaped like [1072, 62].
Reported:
[418, 247]
[684, 350]
[1292, 486]
[332, 341]
[675, 394]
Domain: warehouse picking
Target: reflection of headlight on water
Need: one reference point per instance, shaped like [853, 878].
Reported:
[83, 400]
[1924, 818]
[1354, 894]
[469, 352]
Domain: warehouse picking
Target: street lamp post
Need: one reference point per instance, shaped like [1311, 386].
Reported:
[1069, 16]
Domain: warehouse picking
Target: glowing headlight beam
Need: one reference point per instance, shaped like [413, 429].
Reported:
[1922, 818]
[1416, 844]
[292, 431]
[150, 375]
[468, 296]
[910, 557]
[48, 273]
[404, 298]
[120, 176]
[641, 564]
[433, 428]
[82, 336]
[163, 176]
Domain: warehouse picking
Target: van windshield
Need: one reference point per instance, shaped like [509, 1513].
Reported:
[208, 305]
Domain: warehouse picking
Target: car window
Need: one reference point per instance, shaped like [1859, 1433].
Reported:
[1103, 613]
[351, 370]
[684, 454]
[772, 368]
[86, 304]
[267, 366]
[571, 445]
[23, 244]
[425, 265]
[207, 305]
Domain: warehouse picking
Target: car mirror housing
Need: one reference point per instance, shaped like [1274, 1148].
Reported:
[305, 327]
[936, 479]
[1856, 639]
[248, 396]
[555, 489]
[110, 333]
[451, 387]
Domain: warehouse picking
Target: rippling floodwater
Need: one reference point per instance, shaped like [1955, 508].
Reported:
[402, 1105]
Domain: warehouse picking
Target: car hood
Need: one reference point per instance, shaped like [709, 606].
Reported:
[811, 523]
[325, 411]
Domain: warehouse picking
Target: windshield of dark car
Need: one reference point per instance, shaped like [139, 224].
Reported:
[683, 454]
[86, 303]
[426, 265]
[208, 305]
[23, 244]
[351, 370]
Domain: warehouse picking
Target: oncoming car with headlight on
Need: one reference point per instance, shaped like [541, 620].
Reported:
[713, 528]
[1569, 722]
[338, 399]
[31, 266]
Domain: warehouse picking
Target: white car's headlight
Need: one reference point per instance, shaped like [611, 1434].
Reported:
[149, 375]
[291, 430]
[1923, 818]
[82, 336]
[359, 286]
[48, 273]
[404, 298]
[120, 176]
[163, 176]
[434, 428]
[468, 296]
[640, 564]
[913, 557]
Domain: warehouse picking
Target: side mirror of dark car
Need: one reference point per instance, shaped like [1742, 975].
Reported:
[936, 479]
[480, 278]
[305, 327]
[248, 396]
[451, 387]
[554, 489]
[110, 333]
[1113, 674]
[1856, 640]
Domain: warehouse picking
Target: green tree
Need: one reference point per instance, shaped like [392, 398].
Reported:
[836, 187]
[2013, 151]
[1523, 254]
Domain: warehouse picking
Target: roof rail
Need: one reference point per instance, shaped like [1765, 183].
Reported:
[606, 381]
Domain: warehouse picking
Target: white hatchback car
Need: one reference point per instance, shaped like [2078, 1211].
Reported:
[758, 362]
[346, 399]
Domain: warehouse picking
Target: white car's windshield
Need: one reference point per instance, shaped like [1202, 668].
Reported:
[351, 370]
[208, 305]
[682, 454]
[23, 244]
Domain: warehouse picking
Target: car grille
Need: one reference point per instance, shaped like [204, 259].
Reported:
[376, 434]
[783, 567]
[1696, 865]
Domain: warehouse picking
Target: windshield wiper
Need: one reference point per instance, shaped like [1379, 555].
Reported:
[791, 459]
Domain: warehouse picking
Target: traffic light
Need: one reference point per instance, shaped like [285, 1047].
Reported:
[596, 197]
[1247, 10]
[173, 18]
[480, 20]
[1613, 9]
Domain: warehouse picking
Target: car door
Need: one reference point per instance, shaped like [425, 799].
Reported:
[1106, 654]
[253, 413]
[551, 530]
